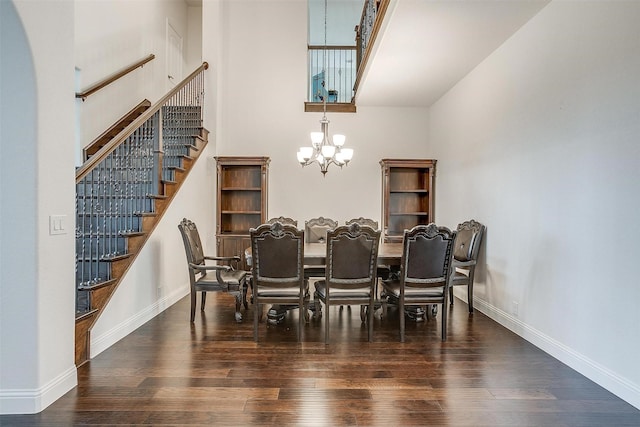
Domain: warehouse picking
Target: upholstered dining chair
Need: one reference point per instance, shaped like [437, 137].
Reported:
[465, 257]
[350, 275]
[211, 278]
[382, 270]
[363, 221]
[284, 220]
[425, 270]
[315, 231]
[278, 270]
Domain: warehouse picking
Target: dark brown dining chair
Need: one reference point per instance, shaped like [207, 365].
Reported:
[278, 270]
[284, 220]
[211, 278]
[350, 276]
[364, 221]
[315, 231]
[425, 270]
[382, 270]
[465, 257]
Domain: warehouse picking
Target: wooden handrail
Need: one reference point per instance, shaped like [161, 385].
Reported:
[83, 170]
[112, 78]
[382, 8]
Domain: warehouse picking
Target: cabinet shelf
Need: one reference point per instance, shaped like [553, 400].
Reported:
[409, 214]
[241, 212]
[409, 191]
[241, 189]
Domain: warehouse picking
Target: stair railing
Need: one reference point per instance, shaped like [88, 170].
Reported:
[117, 186]
[112, 78]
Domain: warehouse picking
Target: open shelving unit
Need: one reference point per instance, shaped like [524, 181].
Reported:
[241, 202]
[407, 195]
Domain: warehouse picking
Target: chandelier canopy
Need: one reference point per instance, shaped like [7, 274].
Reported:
[325, 150]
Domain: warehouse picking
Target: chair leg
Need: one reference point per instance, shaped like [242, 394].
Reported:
[451, 295]
[238, 304]
[256, 318]
[317, 313]
[193, 305]
[370, 320]
[302, 309]
[444, 321]
[245, 287]
[204, 299]
[470, 291]
[326, 320]
[401, 314]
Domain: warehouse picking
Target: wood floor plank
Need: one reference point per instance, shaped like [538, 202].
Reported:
[170, 372]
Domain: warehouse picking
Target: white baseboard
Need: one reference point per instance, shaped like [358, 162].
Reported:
[26, 401]
[621, 387]
[102, 342]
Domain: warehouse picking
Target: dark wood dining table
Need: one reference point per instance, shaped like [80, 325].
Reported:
[315, 254]
[389, 254]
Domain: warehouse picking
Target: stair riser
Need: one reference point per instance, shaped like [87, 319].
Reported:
[105, 246]
[101, 225]
[87, 271]
[105, 206]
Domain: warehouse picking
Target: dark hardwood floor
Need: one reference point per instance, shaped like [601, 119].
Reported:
[171, 372]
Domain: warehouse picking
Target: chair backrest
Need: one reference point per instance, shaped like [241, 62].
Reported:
[284, 221]
[278, 255]
[352, 254]
[468, 239]
[364, 221]
[426, 256]
[316, 229]
[191, 240]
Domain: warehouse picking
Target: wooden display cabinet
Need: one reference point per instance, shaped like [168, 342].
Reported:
[407, 195]
[241, 202]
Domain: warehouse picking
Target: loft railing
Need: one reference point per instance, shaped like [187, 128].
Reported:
[366, 33]
[341, 66]
[345, 64]
[112, 78]
[117, 186]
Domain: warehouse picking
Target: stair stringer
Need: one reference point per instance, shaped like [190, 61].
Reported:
[102, 295]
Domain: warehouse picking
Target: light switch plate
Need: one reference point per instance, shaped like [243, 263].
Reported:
[57, 224]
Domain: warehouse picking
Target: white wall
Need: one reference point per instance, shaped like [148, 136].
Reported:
[263, 88]
[37, 295]
[111, 35]
[541, 143]
[158, 277]
[193, 49]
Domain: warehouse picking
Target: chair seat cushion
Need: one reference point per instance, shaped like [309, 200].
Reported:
[264, 291]
[459, 278]
[392, 287]
[321, 290]
[233, 280]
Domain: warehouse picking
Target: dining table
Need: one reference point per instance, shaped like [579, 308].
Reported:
[389, 255]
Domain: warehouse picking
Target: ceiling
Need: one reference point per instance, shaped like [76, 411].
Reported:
[426, 46]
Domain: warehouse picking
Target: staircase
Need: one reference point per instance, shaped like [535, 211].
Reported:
[115, 129]
[123, 190]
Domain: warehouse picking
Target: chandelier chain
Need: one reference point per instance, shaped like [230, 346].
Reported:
[324, 150]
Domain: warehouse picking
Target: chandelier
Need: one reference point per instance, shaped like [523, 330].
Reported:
[325, 150]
